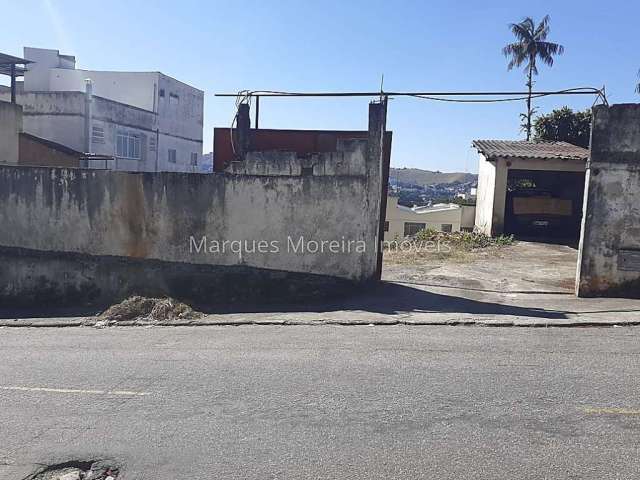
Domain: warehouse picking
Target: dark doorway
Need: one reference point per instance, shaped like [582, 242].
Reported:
[544, 205]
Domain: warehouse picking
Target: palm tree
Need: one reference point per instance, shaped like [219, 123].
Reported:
[531, 45]
[638, 85]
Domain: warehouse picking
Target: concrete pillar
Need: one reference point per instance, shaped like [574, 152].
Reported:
[378, 156]
[10, 129]
[88, 114]
[243, 130]
[13, 83]
[609, 252]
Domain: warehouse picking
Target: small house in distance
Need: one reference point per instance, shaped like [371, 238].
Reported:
[530, 189]
[404, 221]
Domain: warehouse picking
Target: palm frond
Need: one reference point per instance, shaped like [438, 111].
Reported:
[531, 44]
[547, 50]
[515, 53]
[542, 30]
[522, 31]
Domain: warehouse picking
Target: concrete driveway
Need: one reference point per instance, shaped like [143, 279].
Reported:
[524, 267]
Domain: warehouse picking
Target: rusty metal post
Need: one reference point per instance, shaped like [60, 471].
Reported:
[257, 111]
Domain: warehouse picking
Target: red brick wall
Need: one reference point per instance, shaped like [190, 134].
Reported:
[299, 141]
[40, 153]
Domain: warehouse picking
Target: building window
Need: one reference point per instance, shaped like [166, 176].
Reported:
[97, 134]
[411, 228]
[446, 227]
[172, 155]
[161, 92]
[128, 145]
[152, 144]
[194, 159]
[386, 226]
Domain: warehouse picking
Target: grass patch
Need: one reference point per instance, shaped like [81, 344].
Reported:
[432, 244]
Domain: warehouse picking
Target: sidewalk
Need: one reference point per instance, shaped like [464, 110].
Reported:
[395, 303]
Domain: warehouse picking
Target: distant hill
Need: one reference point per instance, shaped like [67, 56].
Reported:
[416, 176]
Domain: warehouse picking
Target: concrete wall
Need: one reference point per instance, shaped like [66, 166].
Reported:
[609, 256]
[77, 235]
[492, 186]
[10, 128]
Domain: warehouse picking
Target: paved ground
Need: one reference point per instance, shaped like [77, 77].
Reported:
[527, 284]
[323, 401]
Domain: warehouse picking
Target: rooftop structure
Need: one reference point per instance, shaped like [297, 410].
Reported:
[523, 149]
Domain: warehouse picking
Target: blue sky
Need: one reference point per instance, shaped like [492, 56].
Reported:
[345, 46]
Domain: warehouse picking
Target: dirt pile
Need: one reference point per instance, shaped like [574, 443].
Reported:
[148, 309]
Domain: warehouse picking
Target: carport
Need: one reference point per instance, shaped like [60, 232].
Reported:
[530, 189]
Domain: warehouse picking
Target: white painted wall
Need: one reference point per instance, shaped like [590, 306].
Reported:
[485, 195]
[36, 79]
[132, 88]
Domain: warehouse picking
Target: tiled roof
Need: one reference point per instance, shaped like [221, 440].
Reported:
[523, 149]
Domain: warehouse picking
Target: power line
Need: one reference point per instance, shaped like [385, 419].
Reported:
[425, 95]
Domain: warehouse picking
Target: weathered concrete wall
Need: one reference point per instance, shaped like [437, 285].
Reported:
[69, 231]
[10, 128]
[609, 257]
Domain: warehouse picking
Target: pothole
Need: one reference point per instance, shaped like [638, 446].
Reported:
[78, 470]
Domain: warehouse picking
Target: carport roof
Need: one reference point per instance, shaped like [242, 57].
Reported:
[524, 149]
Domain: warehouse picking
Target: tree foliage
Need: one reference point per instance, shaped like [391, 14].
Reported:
[564, 125]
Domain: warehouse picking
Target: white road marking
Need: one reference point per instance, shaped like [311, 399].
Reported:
[76, 390]
[612, 411]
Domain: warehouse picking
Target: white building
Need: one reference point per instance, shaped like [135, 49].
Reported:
[147, 121]
[530, 189]
[404, 221]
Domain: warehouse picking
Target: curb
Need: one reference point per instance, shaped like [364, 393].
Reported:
[94, 322]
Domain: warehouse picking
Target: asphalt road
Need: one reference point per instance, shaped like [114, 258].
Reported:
[266, 402]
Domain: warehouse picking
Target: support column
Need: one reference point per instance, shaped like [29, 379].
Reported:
[379, 154]
[13, 83]
[243, 130]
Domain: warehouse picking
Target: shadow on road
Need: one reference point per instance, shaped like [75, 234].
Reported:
[393, 298]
